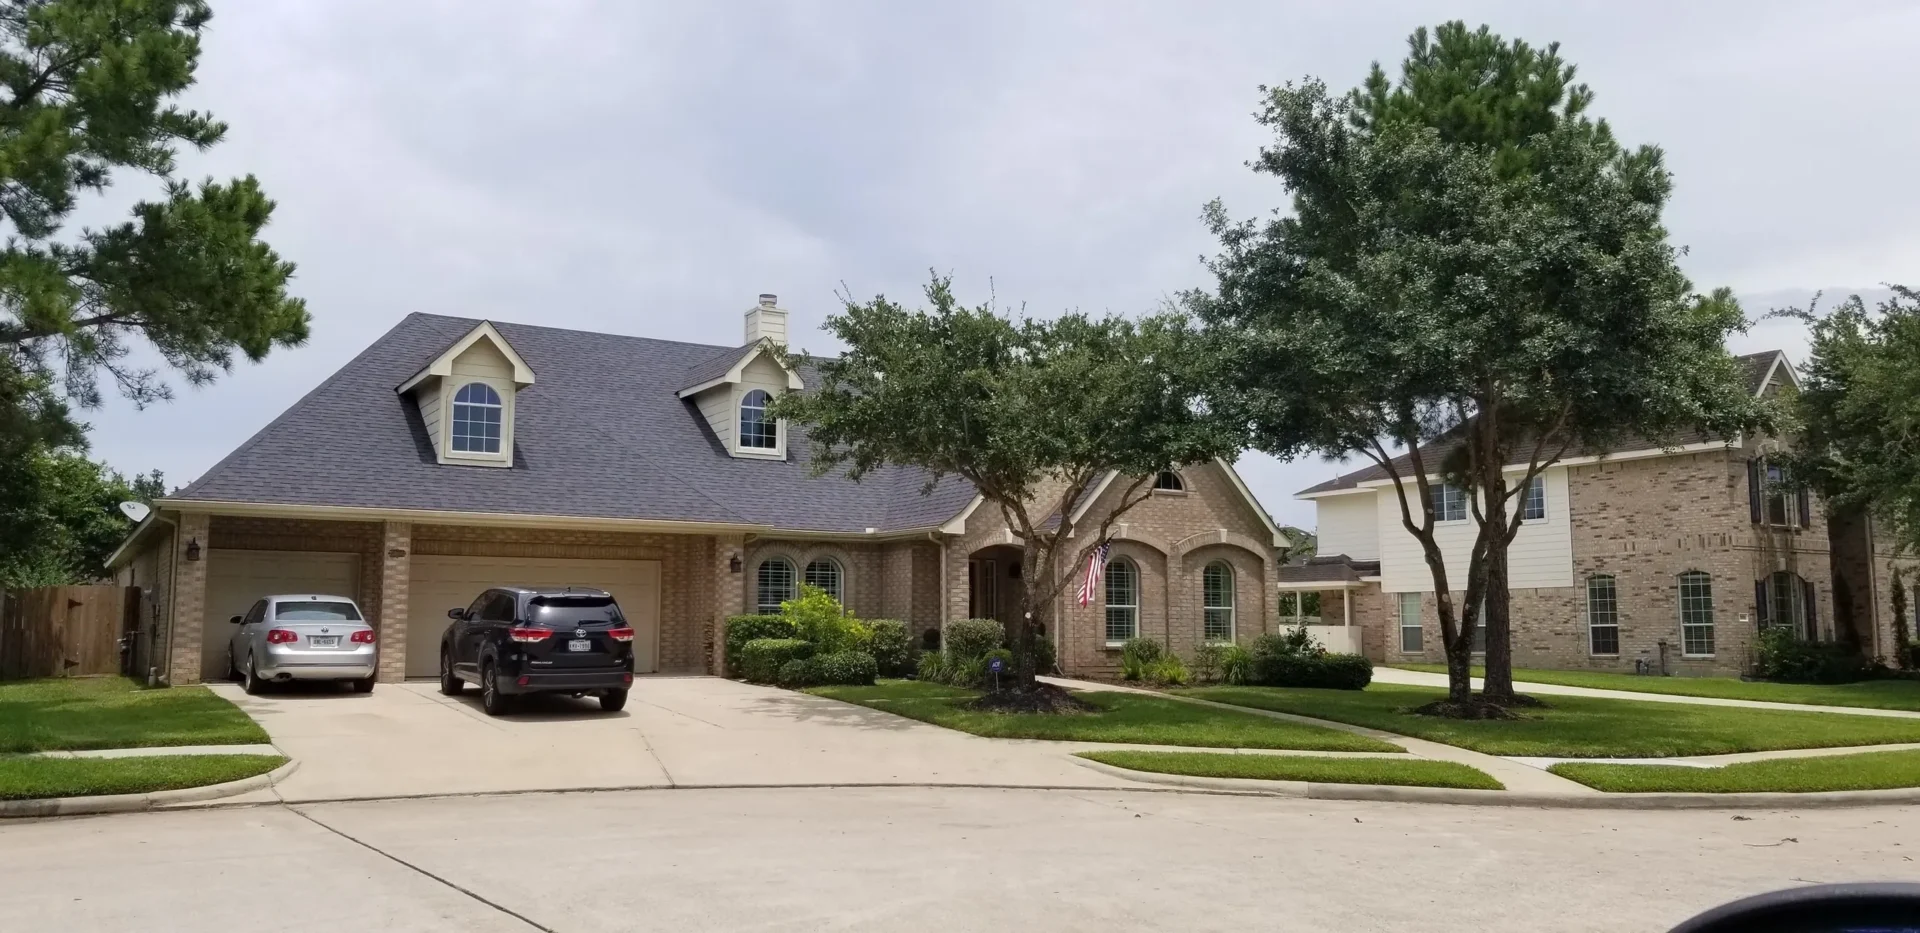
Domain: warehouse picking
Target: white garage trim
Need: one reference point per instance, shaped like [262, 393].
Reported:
[438, 582]
[236, 579]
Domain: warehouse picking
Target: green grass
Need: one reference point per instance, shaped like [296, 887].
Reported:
[27, 778]
[63, 713]
[1410, 772]
[1871, 694]
[1123, 717]
[1581, 727]
[1865, 771]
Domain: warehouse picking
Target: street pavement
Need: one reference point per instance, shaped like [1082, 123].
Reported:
[924, 859]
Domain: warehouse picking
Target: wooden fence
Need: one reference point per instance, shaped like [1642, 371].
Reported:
[57, 631]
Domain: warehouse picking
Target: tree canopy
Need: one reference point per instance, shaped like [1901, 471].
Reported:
[1474, 275]
[1034, 413]
[61, 518]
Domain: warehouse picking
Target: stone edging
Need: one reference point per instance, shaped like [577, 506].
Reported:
[1501, 798]
[134, 803]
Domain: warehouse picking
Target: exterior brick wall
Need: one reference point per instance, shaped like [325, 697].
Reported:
[189, 600]
[396, 577]
[1865, 562]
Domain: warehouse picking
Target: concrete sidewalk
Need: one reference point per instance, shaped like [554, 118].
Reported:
[1394, 675]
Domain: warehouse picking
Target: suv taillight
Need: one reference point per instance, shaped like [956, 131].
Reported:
[623, 633]
[364, 637]
[529, 633]
[282, 636]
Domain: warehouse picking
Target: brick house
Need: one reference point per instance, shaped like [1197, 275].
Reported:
[1662, 557]
[455, 454]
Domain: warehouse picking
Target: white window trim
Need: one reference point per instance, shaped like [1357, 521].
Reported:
[1546, 504]
[502, 388]
[779, 449]
[1135, 605]
[1615, 625]
[1232, 607]
[1713, 624]
[1439, 512]
[1156, 490]
[839, 576]
[792, 566]
[1419, 624]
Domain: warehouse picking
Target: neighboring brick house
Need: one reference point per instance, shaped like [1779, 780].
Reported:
[456, 454]
[1652, 557]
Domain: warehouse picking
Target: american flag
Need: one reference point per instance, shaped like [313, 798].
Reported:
[1096, 565]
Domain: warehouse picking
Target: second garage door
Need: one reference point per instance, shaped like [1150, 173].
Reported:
[444, 582]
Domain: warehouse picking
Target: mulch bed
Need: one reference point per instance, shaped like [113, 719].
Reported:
[1043, 698]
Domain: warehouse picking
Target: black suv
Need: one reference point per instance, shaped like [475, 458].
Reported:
[516, 640]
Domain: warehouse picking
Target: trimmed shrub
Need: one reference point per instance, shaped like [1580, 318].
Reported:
[973, 638]
[1236, 666]
[1335, 671]
[1782, 656]
[1167, 671]
[761, 659]
[967, 672]
[1044, 661]
[932, 667]
[821, 620]
[1295, 640]
[891, 647]
[743, 629]
[797, 673]
[1206, 663]
[842, 667]
[1137, 656]
[930, 640]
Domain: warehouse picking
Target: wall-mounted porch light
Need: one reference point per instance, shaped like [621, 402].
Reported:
[193, 548]
[733, 564]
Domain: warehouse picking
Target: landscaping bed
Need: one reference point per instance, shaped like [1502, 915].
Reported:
[1883, 693]
[1410, 772]
[1117, 717]
[33, 777]
[1579, 727]
[72, 713]
[1864, 771]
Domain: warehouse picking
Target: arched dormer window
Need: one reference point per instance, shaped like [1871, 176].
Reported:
[757, 431]
[1169, 481]
[476, 419]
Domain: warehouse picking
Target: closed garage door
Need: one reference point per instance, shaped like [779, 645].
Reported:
[445, 582]
[236, 579]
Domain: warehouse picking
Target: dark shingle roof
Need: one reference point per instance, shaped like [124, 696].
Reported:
[707, 370]
[601, 434]
[1334, 568]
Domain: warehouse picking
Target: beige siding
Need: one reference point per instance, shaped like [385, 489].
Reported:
[1541, 555]
[483, 362]
[716, 405]
[763, 373]
[1349, 525]
[429, 396]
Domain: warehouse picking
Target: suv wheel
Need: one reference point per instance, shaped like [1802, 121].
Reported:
[613, 701]
[491, 699]
[449, 683]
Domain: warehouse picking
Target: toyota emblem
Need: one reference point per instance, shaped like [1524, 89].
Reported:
[579, 633]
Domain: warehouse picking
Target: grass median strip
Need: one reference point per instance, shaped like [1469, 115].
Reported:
[1864, 771]
[1123, 717]
[1890, 693]
[28, 778]
[1409, 772]
[1580, 727]
[70, 713]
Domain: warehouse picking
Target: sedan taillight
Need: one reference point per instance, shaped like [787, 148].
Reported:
[282, 636]
[623, 633]
[364, 637]
[529, 633]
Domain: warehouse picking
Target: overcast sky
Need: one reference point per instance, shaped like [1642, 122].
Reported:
[649, 168]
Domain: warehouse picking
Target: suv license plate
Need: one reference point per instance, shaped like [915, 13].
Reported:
[580, 644]
[324, 641]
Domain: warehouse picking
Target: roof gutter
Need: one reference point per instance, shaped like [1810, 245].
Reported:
[444, 516]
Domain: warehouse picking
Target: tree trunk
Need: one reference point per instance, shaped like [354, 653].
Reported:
[1037, 576]
[1459, 671]
[1498, 683]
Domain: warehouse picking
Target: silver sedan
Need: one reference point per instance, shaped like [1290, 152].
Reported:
[302, 637]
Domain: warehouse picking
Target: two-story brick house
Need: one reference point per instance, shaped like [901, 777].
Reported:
[1665, 557]
[456, 454]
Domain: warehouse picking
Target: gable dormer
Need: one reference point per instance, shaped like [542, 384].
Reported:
[733, 389]
[467, 398]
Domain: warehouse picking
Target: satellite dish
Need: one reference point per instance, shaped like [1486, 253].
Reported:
[135, 510]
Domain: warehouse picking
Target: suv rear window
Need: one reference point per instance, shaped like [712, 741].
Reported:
[572, 610]
[315, 611]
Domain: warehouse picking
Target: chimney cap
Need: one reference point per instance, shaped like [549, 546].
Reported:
[768, 299]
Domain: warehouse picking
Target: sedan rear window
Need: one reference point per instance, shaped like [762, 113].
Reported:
[571, 610]
[315, 611]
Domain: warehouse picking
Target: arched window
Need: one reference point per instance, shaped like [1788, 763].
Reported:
[1603, 615]
[1216, 601]
[1123, 600]
[825, 574]
[476, 419]
[1169, 481]
[757, 431]
[1696, 614]
[773, 585]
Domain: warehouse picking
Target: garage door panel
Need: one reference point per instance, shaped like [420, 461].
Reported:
[237, 579]
[442, 582]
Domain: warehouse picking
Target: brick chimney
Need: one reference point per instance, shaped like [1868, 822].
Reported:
[767, 321]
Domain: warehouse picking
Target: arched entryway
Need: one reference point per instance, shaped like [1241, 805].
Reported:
[994, 586]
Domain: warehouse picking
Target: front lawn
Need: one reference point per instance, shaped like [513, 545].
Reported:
[65, 713]
[28, 778]
[1865, 771]
[1407, 772]
[1890, 693]
[1123, 717]
[1580, 727]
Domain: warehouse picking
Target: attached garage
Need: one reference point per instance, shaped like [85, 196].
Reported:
[443, 582]
[238, 578]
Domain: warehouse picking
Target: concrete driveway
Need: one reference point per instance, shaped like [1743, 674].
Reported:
[408, 740]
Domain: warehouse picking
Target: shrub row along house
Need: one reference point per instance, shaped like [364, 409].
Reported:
[1655, 557]
[456, 454]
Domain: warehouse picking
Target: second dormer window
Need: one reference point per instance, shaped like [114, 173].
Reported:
[757, 431]
[476, 419]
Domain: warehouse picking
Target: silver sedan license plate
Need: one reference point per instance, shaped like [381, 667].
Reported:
[324, 641]
[580, 644]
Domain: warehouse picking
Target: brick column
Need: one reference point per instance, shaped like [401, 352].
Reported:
[188, 622]
[396, 574]
[729, 593]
